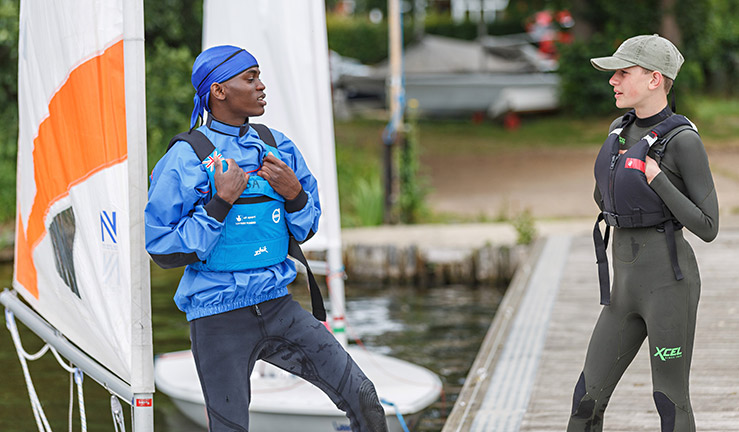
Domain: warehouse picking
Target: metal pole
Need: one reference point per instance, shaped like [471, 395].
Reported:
[142, 356]
[395, 48]
[396, 52]
[65, 348]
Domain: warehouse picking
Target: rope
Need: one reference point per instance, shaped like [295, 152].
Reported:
[38, 413]
[397, 414]
[70, 414]
[78, 378]
[340, 273]
[117, 411]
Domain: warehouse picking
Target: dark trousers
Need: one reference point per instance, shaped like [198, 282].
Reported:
[646, 301]
[226, 347]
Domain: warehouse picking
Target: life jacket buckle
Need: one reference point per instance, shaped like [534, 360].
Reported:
[611, 219]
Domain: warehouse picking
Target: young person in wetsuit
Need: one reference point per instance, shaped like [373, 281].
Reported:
[656, 283]
[229, 217]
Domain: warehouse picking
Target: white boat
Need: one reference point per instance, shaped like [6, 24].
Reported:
[449, 77]
[294, 64]
[282, 402]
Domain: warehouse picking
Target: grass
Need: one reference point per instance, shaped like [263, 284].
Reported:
[718, 121]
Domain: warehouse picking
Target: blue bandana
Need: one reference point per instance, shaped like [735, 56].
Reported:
[215, 65]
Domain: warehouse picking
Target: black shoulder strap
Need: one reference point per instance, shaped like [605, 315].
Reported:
[203, 147]
[197, 140]
[661, 145]
[264, 134]
[294, 250]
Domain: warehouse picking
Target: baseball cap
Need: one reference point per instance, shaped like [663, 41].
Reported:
[651, 52]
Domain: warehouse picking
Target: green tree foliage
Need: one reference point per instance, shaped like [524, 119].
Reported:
[168, 95]
[173, 40]
[709, 42]
[583, 89]
[710, 33]
[8, 106]
[358, 38]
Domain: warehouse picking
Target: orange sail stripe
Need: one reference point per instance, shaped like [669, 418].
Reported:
[84, 133]
[26, 276]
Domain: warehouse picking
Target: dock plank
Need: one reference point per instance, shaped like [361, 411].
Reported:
[714, 377]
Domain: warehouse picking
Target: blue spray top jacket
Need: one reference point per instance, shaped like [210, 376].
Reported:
[181, 219]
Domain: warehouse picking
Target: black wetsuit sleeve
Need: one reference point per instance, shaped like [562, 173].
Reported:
[694, 203]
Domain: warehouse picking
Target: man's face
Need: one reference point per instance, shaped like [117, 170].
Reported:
[245, 94]
[631, 86]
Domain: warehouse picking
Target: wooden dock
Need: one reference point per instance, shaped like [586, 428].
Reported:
[533, 353]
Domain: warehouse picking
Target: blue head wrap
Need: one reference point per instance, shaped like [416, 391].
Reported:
[215, 65]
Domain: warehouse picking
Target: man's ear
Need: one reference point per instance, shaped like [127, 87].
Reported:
[656, 80]
[218, 91]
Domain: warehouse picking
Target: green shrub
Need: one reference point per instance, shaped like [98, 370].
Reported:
[358, 38]
[412, 184]
[444, 25]
[525, 226]
[584, 89]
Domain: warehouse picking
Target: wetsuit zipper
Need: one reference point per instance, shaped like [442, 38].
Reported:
[611, 181]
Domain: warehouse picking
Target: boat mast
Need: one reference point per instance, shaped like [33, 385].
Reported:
[397, 102]
[142, 366]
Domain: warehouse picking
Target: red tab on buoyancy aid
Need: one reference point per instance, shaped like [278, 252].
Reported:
[627, 199]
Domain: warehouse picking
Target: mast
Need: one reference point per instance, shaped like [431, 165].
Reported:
[397, 103]
[142, 356]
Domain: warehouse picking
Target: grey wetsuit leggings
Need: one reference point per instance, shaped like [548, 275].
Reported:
[646, 301]
[226, 347]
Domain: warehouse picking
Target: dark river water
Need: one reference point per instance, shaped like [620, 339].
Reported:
[440, 328]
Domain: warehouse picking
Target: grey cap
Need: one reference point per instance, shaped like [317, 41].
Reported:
[650, 52]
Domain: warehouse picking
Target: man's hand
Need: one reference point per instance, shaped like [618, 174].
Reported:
[652, 169]
[230, 184]
[282, 179]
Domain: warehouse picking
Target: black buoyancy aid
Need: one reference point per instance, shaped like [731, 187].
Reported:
[203, 148]
[627, 200]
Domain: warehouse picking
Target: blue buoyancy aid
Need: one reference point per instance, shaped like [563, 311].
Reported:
[255, 232]
[627, 200]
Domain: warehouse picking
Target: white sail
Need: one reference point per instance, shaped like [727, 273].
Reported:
[288, 39]
[81, 182]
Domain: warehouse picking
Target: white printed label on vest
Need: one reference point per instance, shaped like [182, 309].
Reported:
[245, 220]
[276, 216]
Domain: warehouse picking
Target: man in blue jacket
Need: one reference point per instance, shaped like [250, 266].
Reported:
[229, 215]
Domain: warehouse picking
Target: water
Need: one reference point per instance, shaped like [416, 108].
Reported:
[440, 328]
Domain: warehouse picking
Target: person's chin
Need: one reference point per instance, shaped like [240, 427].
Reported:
[257, 112]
